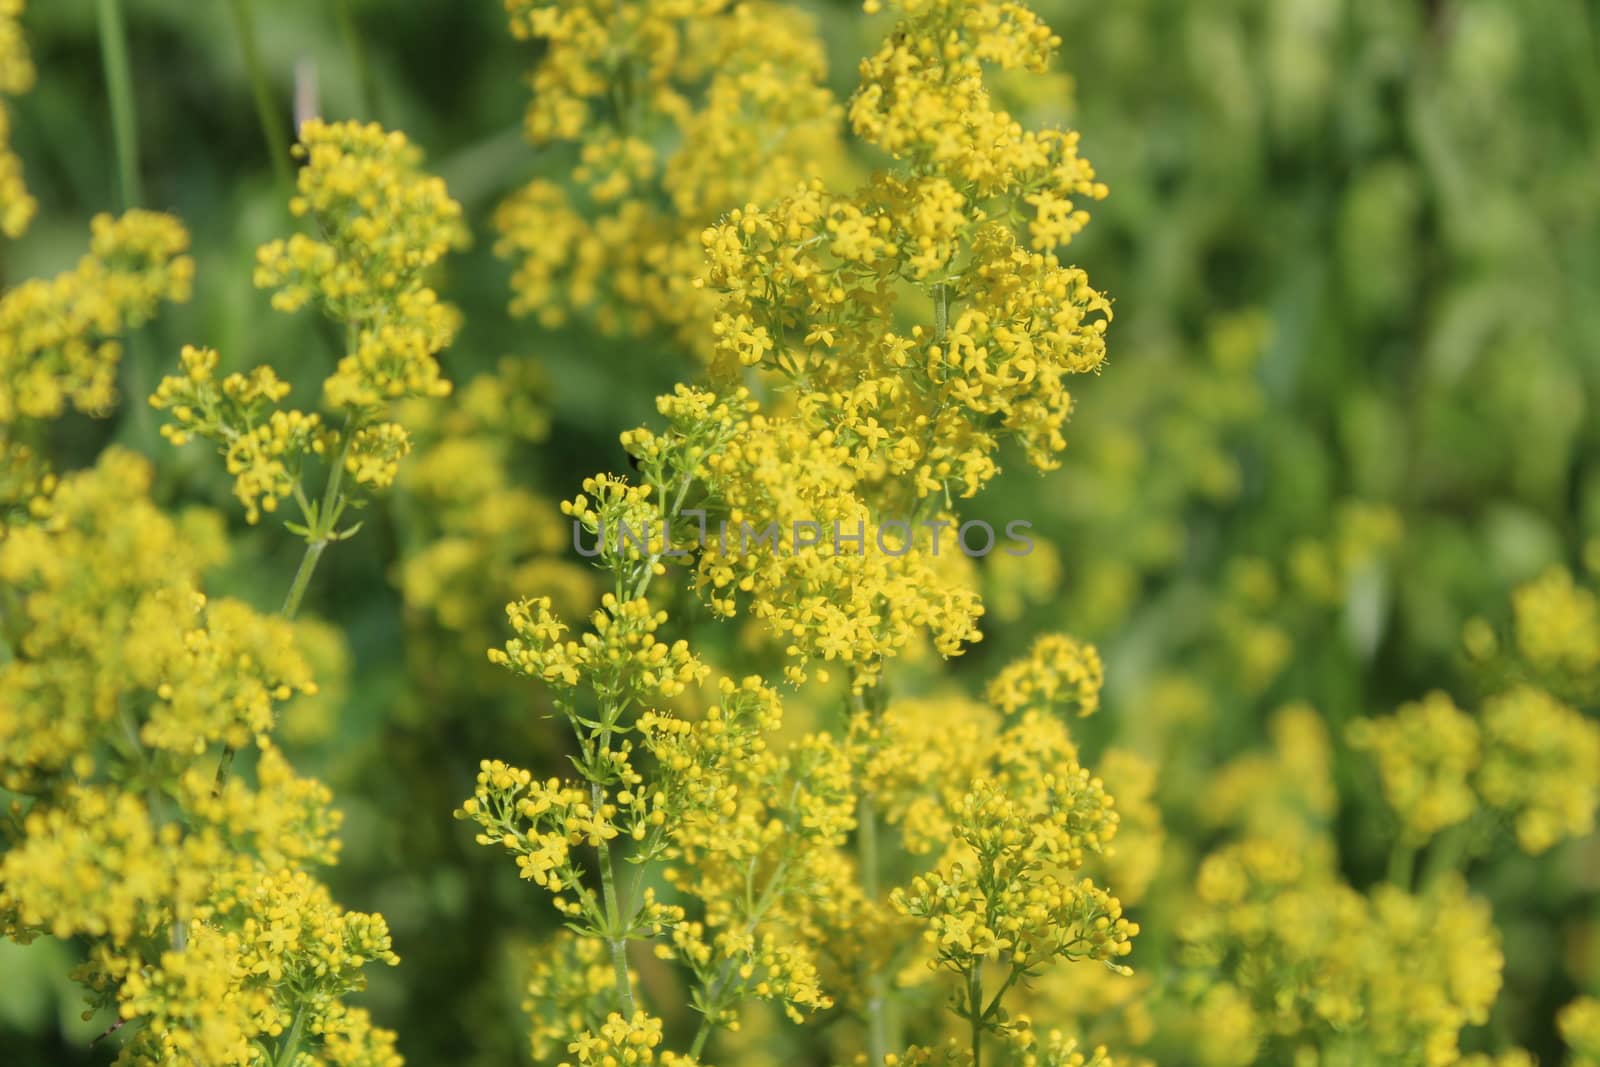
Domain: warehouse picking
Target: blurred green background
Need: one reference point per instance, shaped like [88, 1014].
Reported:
[1354, 251]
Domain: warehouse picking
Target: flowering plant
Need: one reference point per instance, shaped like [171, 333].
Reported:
[658, 537]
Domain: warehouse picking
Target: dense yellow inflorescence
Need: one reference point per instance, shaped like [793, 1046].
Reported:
[127, 695]
[810, 486]
[913, 868]
[382, 224]
[205, 927]
[1426, 755]
[58, 336]
[735, 89]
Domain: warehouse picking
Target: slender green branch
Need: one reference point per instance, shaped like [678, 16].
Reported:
[289, 1047]
[1005, 987]
[130, 188]
[616, 936]
[119, 88]
[322, 530]
[867, 855]
[1402, 864]
[357, 48]
[302, 577]
[715, 989]
[267, 113]
[975, 1010]
[1446, 854]
[867, 846]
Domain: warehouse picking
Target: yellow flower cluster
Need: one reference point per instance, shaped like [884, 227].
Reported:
[808, 290]
[810, 283]
[1528, 756]
[263, 447]
[705, 763]
[17, 75]
[57, 336]
[1541, 766]
[1012, 818]
[1580, 1028]
[1060, 672]
[621, 659]
[712, 806]
[111, 614]
[383, 223]
[735, 88]
[1304, 958]
[1281, 793]
[1002, 906]
[556, 816]
[202, 919]
[753, 835]
[568, 978]
[620, 1042]
[1282, 959]
[917, 758]
[1426, 754]
[1557, 627]
[784, 529]
[803, 489]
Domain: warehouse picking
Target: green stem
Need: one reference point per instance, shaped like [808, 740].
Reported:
[867, 854]
[715, 989]
[289, 1047]
[1402, 864]
[1444, 855]
[119, 87]
[649, 571]
[975, 1010]
[130, 189]
[700, 1037]
[867, 847]
[302, 577]
[272, 125]
[327, 519]
[994, 1005]
[357, 48]
[615, 935]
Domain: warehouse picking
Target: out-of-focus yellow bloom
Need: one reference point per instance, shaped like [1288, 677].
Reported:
[58, 345]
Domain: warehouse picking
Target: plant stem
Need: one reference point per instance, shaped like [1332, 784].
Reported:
[614, 935]
[119, 88]
[1402, 864]
[272, 127]
[327, 519]
[867, 855]
[867, 848]
[715, 990]
[975, 1010]
[130, 189]
[289, 1047]
[1445, 854]
[700, 1037]
[302, 577]
[357, 48]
